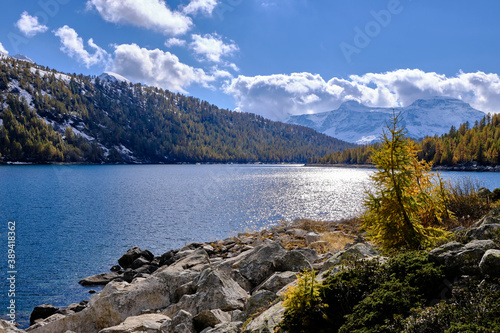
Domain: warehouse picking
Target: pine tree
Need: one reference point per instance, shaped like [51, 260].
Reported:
[405, 204]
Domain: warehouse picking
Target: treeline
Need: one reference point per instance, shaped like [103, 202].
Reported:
[53, 117]
[479, 144]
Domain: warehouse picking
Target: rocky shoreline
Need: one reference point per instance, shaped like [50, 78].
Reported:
[237, 284]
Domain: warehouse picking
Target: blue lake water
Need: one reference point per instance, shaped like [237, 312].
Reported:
[76, 221]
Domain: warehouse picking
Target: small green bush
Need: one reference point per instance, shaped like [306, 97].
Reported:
[471, 309]
[366, 296]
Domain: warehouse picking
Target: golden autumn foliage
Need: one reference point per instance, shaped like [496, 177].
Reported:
[407, 203]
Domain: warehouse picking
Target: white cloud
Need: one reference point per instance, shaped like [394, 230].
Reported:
[29, 25]
[72, 45]
[204, 6]
[156, 68]
[174, 42]
[211, 47]
[220, 73]
[149, 14]
[2, 49]
[278, 96]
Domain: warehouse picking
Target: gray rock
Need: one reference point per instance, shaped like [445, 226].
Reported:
[132, 254]
[146, 323]
[299, 233]
[210, 318]
[293, 261]
[99, 279]
[232, 327]
[490, 220]
[310, 254]
[355, 252]
[139, 262]
[490, 263]
[259, 263]
[43, 323]
[485, 231]
[167, 258]
[463, 258]
[129, 275]
[267, 321]
[277, 281]
[181, 323]
[241, 280]
[259, 301]
[312, 237]
[7, 327]
[42, 312]
[214, 290]
[441, 253]
[186, 289]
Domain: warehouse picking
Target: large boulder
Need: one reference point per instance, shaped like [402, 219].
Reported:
[490, 263]
[42, 312]
[355, 252]
[210, 318]
[214, 290]
[257, 264]
[146, 323]
[7, 327]
[486, 230]
[277, 281]
[268, 321]
[132, 254]
[293, 261]
[181, 323]
[232, 327]
[259, 301]
[464, 259]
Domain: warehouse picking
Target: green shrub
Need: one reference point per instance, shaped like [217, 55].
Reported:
[366, 296]
[471, 309]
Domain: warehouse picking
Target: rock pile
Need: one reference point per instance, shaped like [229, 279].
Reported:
[232, 285]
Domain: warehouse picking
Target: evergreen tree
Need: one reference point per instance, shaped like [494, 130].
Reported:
[406, 203]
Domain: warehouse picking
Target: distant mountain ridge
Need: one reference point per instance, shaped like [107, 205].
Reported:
[47, 116]
[357, 123]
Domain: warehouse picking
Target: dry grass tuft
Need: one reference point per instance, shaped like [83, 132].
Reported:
[333, 241]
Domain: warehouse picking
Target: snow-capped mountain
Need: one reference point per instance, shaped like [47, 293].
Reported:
[113, 77]
[355, 122]
[22, 57]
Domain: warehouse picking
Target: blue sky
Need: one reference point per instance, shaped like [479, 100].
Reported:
[272, 57]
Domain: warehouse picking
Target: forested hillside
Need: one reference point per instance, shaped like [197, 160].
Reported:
[46, 116]
[479, 144]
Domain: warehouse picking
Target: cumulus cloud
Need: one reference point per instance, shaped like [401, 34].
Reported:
[211, 47]
[29, 25]
[3, 50]
[278, 96]
[149, 14]
[174, 42]
[156, 68]
[200, 6]
[72, 45]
